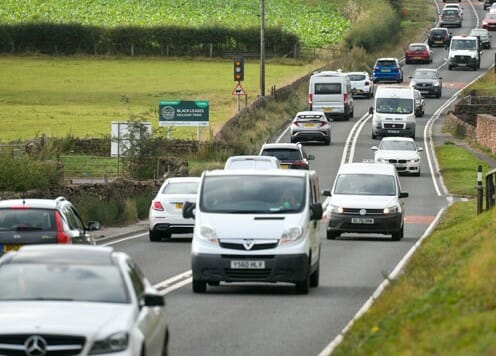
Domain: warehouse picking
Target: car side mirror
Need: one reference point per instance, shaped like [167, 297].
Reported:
[94, 225]
[310, 157]
[420, 149]
[371, 110]
[403, 194]
[188, 208]
[153, 300]
[316, 211]
[410, 77]
[326, 192]
[374, 148]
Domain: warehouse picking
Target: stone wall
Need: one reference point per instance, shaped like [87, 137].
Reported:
[485, 131]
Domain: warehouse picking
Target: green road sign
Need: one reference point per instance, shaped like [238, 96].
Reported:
[183, 113]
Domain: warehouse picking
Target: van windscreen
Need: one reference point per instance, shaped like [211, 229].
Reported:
[254, 194]
[394, 105]
[327, 88]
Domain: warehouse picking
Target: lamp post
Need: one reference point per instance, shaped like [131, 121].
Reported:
[262, 48]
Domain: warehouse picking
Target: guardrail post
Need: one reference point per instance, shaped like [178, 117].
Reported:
[479, 190]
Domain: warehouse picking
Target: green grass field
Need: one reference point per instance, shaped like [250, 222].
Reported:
[81, 96]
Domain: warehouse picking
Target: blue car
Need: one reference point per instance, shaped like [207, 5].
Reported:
[387, 70]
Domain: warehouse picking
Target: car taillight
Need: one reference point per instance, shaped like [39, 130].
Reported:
[310, 99]
[296, 123]
[323, 123]
[156, 205]
[62, 237]
[299, 165]
[367, 82]
[345, 98]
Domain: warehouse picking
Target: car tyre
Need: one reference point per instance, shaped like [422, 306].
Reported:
[327, 141]
[303, 287]
[314, 277]
[418, 173]
[199, 286]
[332, 235]
[397, 235]
[154, 236]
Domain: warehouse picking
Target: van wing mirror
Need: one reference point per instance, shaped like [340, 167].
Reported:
[316, 211]
[371, 110]
[403, 194]
[326, 192]
[188, 208]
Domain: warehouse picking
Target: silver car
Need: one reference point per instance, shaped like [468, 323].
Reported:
[311, 126]
[78, 300]
[166, 210]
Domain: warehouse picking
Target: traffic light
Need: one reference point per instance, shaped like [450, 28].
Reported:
[239, 69]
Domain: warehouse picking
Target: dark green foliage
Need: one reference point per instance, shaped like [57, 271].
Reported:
[22, 173]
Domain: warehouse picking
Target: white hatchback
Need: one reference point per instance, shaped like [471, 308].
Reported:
[165, 215]
[252, 162]
[401, 152]
[78, 300]
[361, 84]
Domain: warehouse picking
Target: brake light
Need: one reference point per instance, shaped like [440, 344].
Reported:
[310, 99]
[323, 123]
[345, 98]
[62, 237]
[156, 205]
[367, 82]
[299, 165]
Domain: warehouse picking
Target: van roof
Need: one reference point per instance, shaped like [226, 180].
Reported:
[367, 168]
[394, 91]
[255, 172]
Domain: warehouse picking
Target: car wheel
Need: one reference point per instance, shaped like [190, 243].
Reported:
[165, 348]
[450, 67]
[327, 141]
[155, 236]
[199, 286]
[332, 235]
[314, 277]
[418, 173]
[398, 235]
[303, 287]
[439, 94]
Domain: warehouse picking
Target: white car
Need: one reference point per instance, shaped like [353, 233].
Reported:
[402, 152]
[252, 162]
[454, 6]
[365, 198]
[166, 210]
[361, 84]
[78, 300]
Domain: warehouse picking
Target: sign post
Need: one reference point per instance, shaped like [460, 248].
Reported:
[238, 91]
[183, 113]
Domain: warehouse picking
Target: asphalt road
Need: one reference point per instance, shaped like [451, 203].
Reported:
[247, 319]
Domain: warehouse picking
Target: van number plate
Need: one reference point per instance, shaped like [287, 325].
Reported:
[362, 221]
[247, 264]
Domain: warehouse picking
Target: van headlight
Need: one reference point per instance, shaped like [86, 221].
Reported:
[208, 234]
[392, 210]
[382, 160]
[113, 343]
[291, 234]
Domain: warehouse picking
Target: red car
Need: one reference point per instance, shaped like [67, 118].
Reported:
[418, 52]
[489, 21]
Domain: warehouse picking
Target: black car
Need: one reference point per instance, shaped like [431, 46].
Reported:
[42, 221]
[427, 81]
[438, 37]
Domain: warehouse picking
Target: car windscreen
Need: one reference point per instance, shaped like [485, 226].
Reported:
[397, 146]
[424, 74]
[386, 63]
[181, 188]
[62, 282]
[327, 88]
[284, 155]
[417, 48]
[254, 194]
[365, 184]
[460, 44]
[394, 105]
[27, 219]
[356, 77]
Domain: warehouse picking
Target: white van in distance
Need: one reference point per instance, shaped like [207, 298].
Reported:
[256, 226]
[331, 93]
[394, 113]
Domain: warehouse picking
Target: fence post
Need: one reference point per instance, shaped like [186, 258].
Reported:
[479, 190]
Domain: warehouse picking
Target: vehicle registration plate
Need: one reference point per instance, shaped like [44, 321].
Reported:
[308, 125]
[438, 42]
[284, 166]
[247, 264]
[362, 220]
[179, 205]
[13, 247]
[328, 109]
[393, 131]
[385, 70]
[462, 64]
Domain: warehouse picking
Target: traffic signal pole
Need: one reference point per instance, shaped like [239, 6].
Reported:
[262, 48]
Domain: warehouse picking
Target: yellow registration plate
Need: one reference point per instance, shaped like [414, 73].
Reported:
[13, 247]
[284, 166]
[179, 205]
[328, 109]
[309, 125]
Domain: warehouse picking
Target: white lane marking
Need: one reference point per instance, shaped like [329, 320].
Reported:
[124, 239]
[351, 136]
[365, 307]
[168, 282]
[363, 120]
[177, 286]
[283, 133]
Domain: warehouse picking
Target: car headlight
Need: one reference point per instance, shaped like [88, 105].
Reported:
[291, 234]
[208, 234]
[334, 209]
[392, 210]
[114, 343]
[414, 160]
[382, 160]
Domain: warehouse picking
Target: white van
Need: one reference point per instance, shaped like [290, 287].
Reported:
[464, 51]
[394, 113]
[256, 226]
[331, 93]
